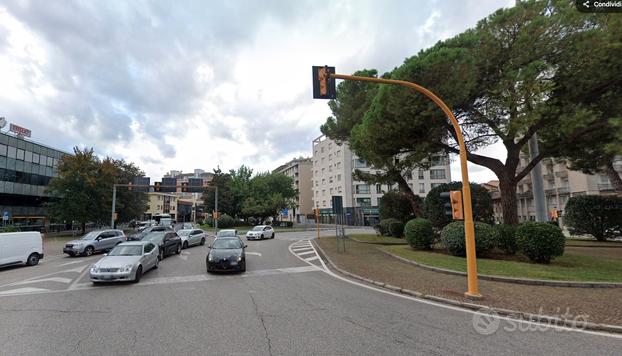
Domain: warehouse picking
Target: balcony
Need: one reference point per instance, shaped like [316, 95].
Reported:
[549, 176]
[527, 194]
[561, 174]
[563, 190]
[550, 191]
[605, 186]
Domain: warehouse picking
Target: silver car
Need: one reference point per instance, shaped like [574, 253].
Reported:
[260, 232]
[94, 241]
[192, 237]
[126, 262]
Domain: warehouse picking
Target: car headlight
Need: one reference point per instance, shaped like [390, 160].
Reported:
[239, 258]
[127, 268]
[94, 269]
[210, 258]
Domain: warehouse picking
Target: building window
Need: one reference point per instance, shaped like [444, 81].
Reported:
[11, 152]
[330, 156]
[338, 177]
[421, 174]
[409, 176]
[360, 163]
[330, 167]
[330, 179]
[317, 183]
[323, 191]
[338, 165]
[378, 188]
[3, 150]
[421, 187]
[323, 181]
[20, 154]
[322, 150]
[437, 174]
[331, 191]
[363, 202]
[362, 189]
[339, 189]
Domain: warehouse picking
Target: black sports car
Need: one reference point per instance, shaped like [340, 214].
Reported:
[226, 255]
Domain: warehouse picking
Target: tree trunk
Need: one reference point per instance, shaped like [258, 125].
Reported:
[405, 188]
[508, 201]
[83, 227]
[614, 178]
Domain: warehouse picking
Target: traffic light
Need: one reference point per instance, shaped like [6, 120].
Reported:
[129, 187]
[184, 187]
[456, 204]
[156, 186]
[446, 204]
[323, 84]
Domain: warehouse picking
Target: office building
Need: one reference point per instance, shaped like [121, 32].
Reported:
[299, 169]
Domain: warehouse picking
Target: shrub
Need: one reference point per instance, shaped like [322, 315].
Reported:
[434, 211]
[226, 222]
[419, 233]
[209, 221]
[396, 205]
[385, 226]
[540, 241]
[9, 228]
[506, 238]
[396, 229]
[453, 238]
[599, 216]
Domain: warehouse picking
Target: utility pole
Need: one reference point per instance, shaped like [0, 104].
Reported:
[216, 210]
[537, 183]
[114, 201]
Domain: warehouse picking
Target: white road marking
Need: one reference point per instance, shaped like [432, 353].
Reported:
[75, 282]
[312, 258]
[305, 253]
[27, 290]
[298, 249]
[253, 253]
[50, 279]
[71, 263]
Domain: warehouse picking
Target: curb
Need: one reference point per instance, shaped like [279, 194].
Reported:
[513, 314]
[537, 282]
[377, 243]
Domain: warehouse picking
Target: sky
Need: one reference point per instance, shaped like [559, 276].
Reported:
[179, 85]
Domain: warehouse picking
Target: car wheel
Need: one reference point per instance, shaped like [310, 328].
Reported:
[139, 273]
[178, 251]
[185, 244]
[202, 241]
[161, 255]
[33, 259]
[156, 263]
[262, 237]
[243, 269]
[272, 235]
[88, 251]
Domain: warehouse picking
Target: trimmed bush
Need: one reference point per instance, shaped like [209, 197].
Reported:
[396, 229]
[385, 226]
[506, 238]
[9, 228]
[226, 222]
[395, 204]
[453, 238]
[419, 233]
[540, 241]
[434, 211]
[599, 216]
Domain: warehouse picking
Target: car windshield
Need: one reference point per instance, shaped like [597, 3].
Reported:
[90, 236]
[126, 250]
[227, 244]
[226, 233]
[153, 236]
[257, 228]
[183, 232]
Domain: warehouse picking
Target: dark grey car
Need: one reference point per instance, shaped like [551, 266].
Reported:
[94, 241]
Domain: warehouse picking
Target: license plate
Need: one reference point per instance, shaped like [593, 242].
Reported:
[234, 263]
[107, 277]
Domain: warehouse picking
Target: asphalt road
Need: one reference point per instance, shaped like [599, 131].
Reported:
[285, 304]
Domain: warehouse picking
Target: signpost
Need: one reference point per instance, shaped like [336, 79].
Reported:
[20, 131]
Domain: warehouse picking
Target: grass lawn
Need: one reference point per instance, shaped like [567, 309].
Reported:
[583, 242]
[572, 266]
[382, 240]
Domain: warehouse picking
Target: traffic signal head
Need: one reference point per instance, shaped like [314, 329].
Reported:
[184, 187]
[156, 186]
[456, 205]
[446, 204]
[129, 187]
[323, 84]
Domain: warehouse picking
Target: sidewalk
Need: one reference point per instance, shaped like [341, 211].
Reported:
[600, 305]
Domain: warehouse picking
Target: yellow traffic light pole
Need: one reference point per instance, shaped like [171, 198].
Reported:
[469, 229]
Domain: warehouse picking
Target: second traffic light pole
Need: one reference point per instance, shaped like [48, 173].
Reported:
[469, 229]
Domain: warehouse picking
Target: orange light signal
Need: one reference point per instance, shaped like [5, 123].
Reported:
[455, 197]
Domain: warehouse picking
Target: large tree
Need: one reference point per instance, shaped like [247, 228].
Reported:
[239, 184]
[225, 197]
[269, 193]
[502, 80]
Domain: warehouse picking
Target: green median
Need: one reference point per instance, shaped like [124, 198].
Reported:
[375, 239]
[569, 267]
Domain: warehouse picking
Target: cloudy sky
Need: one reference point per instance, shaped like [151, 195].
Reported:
[199, 84]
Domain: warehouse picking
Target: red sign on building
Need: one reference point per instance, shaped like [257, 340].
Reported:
[19, 130]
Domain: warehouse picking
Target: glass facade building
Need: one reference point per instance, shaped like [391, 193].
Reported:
[26, 167]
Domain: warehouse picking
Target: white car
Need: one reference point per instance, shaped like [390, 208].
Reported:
[20, 248]
[192, 237]
[260, 232]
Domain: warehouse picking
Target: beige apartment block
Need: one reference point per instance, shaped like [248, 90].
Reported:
[161, 203]
[333, 169]
[560, 183]
[299, 169]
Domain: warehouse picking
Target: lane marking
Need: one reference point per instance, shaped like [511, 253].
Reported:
[253, 253]
[27, 290]
[71, 263]
[312, 258]
[306, 253]
[50, 279]
[75, 282]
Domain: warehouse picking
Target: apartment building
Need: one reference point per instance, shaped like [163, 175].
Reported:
[299, 169]
[333, 168]
[560, 183]
[161, 203]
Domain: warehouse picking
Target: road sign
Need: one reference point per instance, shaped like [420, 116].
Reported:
[195, 185]
[337, 204]
[323, 84]
[285, 212]
[5, 216]
[141, 181]
[169, 185]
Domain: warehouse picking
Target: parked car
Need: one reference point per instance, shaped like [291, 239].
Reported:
[139, 236]
[226, 254]
[260, 232]
[94, 241]
[168, 242]
[20, 248]
[226, 233]
[126, 262]
[192, 237]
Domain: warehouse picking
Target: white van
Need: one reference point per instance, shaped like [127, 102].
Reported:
[20, 248]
